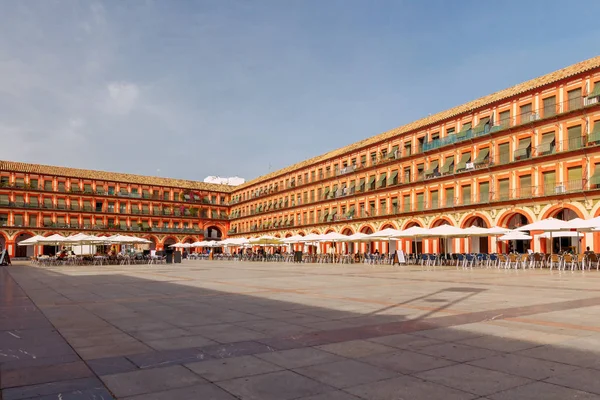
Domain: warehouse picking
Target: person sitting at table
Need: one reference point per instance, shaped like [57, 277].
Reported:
[588, 251]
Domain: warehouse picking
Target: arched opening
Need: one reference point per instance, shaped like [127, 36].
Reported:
[512, 221]
[367, 247]
[169, 241]
[153, 242]
[213, 233]
[414, 245]
[444, 245]
[23, 251]
[560, 244]
[477, 244]
[348, 247]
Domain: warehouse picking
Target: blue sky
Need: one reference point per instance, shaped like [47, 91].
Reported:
[236, 87]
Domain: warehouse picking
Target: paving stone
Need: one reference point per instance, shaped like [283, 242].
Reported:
[150, 380]
[456, 352]
[563, 355]
[87, 394]
[297, 358]
[346, 373]
[543, 390]
[38, 362]
[115, 350]
[230, 368]
[27, 392]
[406, 362]
[180, 342]
[405, 341]
[473, 379]
[333, 395]
[236, 349]
[408, 387]
[580, 379]
[524, 366]
[226, 333]
[283, 385]
[160, 334]
[205, 391]
[111, 365]
[45, 374]
[356, 348]
[168, 357]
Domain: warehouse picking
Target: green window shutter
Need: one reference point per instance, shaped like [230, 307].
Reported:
[524, 149]
[575, 100]
[448, 166]
[326, 192]
[549, 178]
[435, 202]
[382, 180]
[449, 192]
[482, 126]
[393, 179]
[484, 192]
[18, 220]
[4, 199]
[594, 136]
[432, 167]
[574, 134]
[525, 189]
[547, 144]
[464, 159]
[503, 189]
[504, 153]
[482, 157]
[420, 201]
[464, 130]
[333, 214]
[466, 194]
[350, 213]
[214, 214]
[333, 191]
[329, 216]
[549, 106]
[595, 178]
[361, 185]
[574, 174]
[371, 181]
[406, 203]
[595, 92]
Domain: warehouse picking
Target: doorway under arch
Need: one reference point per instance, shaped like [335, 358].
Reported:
[512, 221]
[23, 251]
[213, 233]
[477, 244]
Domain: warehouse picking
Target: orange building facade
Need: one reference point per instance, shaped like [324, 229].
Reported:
[507, 159]
[43, 200]
[510, 158]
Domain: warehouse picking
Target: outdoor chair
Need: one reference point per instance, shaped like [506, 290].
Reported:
[537, 260]
[460, 259]
[568, 259]
[523, 261]
[492, 261]
[592, 259]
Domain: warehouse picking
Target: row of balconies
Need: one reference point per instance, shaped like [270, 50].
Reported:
[463, 166]
[101, 192]
[483, 128]
[102, 227]
[521, 193]
[77, 208]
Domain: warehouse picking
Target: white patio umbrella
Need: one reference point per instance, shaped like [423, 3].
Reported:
[546, 225]
[583, 225]
[178, 245]
[265, 240]
[357, 237]
[385, 234]
[515, 235]
[332, 237]
[52, 239]
[32, 241]
[497, 231]
[292, 239]
[548, 235]
[445, 232]
[412, 232]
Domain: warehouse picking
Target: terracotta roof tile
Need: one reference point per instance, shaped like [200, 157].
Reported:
[439, 117]
[111, 176]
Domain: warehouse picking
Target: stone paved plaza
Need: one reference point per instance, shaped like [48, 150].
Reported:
[213, 330]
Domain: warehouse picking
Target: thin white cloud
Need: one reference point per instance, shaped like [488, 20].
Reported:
[122, 97]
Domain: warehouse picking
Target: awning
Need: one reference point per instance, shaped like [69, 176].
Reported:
[361, 184]
[326, 192]
[522, 150]
[480, 128]
[463, 132]
[392, 177]
[482, 156]
[392, 153]
[352, 185]
[432, 166]
[546, 144]
[330, 216]
[334, 191]
[333, 214]
[595, 179]
[594, 135]
[259, 208]
[464, 159]
[285, 221]
[381, 179]
[350, 212]
[214, 214]
[595, 92]
[371, 180]
[446, 167]
[280, 202]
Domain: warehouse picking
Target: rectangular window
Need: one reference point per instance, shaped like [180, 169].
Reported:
[466, 194]
[32, 220]
[48, 185]
[525, 113]
[406, 178]
[394, 206]
[574, 178]
[420, 201]
[575, 99]
[484, 192]
[449, 193]
[504, 153]
[87, 188]
[435, 200]
[33, 183]
[504, 119]
[406, 203]
[549, 106]
[575, 139]
[503, 189]
[525, 188]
